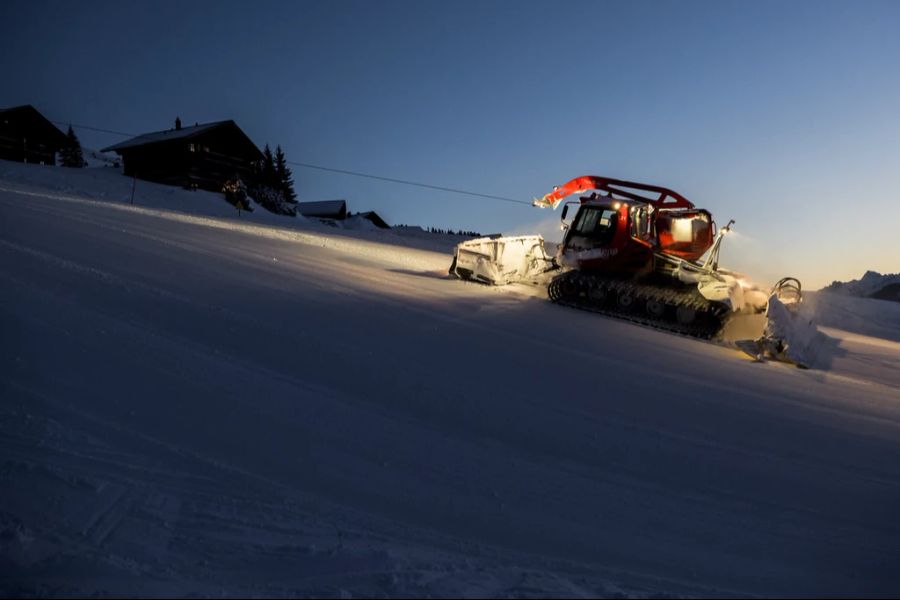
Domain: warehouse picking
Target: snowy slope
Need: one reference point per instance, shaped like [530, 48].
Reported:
[866, 316]
[194, 403]
[107, 184]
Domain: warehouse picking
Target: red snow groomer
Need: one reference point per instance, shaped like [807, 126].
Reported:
[632, 250]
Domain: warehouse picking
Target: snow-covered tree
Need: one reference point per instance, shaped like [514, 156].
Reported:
[236, 194]
[274, 201]
[272, 185]
[70, 154]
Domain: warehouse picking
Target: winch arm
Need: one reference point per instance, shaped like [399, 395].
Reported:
[659, 197]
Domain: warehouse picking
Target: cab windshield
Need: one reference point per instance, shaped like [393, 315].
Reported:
[596, 226]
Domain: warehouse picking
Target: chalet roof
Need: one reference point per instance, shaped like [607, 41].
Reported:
[15, 108]
[48, 129]
[322, 208]
[22, 108]
[174, 134]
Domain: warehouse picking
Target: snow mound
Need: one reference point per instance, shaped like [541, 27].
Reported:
[95, 159]
[864, 316]
[358, 223]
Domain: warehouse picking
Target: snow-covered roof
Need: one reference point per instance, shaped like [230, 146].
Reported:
[12, 108]
[167, 135]
[23, 107]
[322, 208]
[375, 218]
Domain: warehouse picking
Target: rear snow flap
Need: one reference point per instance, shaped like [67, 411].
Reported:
[502, 260]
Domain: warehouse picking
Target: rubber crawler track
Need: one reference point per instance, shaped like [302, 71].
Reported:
[682, 311]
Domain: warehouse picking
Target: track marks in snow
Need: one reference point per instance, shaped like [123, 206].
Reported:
[105, 277]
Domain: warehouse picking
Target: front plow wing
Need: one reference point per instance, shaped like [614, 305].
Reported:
[502, 260]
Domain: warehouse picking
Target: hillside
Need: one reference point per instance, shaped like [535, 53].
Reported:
[196, 403]
[871, 285]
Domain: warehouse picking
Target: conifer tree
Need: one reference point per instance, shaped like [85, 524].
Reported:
[70, 154]
[255, 178]
[269, 177]
[285, 177]
[267, 187]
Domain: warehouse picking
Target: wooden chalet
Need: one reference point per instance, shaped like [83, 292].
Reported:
[27, 136]
[203, 156]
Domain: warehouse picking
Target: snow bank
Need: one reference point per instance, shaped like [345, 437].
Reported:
[95, 159]
[358, 223]
[795, 331]
[866, 316]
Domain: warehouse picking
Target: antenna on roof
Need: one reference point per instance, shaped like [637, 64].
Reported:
[177, 123]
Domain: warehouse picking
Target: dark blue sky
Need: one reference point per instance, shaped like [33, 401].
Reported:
[782, 115]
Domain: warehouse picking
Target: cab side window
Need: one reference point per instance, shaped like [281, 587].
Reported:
[640, 223]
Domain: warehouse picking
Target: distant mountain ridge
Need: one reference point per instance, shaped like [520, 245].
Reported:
[872, 285]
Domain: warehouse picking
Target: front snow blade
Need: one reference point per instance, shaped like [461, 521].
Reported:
[500, 261]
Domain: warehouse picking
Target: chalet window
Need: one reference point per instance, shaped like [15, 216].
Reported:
[192, 147]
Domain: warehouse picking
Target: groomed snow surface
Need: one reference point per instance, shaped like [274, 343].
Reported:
[193, 403]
